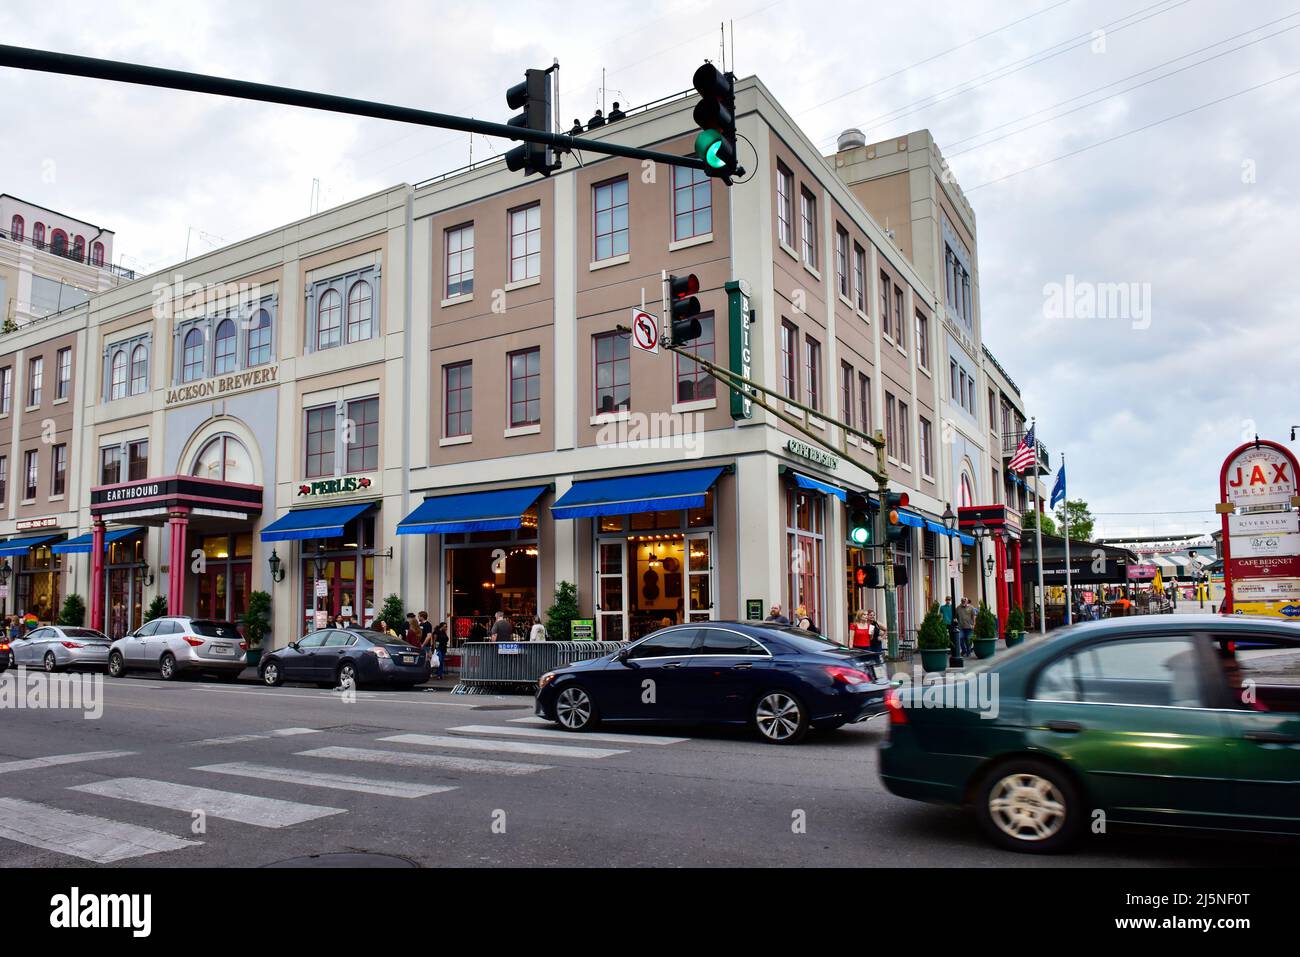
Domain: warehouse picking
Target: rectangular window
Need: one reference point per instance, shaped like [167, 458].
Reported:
[609, 219]
[884, 305]
[922, 341]
[789, 360]
[137, 460]
[846, 394]
[460, 261]
[904, 443]
[6, 389]
[110, 465]
[58, 470]
[864, 403]
[30, 471]
[35, 379]
[613, 373]
[525, 387]
[808, 227]
[891, 425]
[927, 462]
[458, 392]
[859, 278]
[693, 382]
[526, 242]
[900, 330]
[842, 260]
[64, 385]
[813, 370]
[952, 380]
[4, 479]
[363, 447]
[320, 442]
[692, 203]
[785, 205]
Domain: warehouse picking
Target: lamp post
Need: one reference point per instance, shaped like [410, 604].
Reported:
[950, 523]
[5, 571]
[318, 565]
[277, 567]
[981, 533]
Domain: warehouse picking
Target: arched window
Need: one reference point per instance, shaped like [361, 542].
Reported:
[192, 359]
[59, 243]
[223, 356]
[139, 370]
[117, 388]
[97, 254]
[16, 227]
[259, 339]
[329, 319]
[38, 235]
[225, 459]
[359, 311]
[79, 249]
[967, 492]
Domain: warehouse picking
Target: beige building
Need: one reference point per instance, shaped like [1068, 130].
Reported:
[425, 392]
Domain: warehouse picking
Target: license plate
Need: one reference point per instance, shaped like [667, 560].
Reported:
[409, 659]
[220, 649]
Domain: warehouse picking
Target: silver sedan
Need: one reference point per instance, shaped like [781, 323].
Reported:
[56, 647]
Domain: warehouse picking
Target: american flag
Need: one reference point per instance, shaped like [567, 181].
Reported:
[1026, 453]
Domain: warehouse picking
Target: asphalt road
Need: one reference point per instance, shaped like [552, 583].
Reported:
[198, 773]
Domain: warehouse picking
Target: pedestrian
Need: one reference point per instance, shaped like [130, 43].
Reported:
[876, 633]
[413, 636]
[440, 641]
[965, 624]
[538, 632]
[477, 631]
[426, 628]
[946, 611]
[860, 631]
[804, 620]
[775, 616]
[502, 628]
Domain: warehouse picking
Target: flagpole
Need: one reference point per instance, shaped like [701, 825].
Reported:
[1038, 536]
[1065, 521]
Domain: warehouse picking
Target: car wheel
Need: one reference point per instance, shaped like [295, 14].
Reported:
[51, 663]
[780, 718]
[116, 665]
[574, 709]
[347, 675]
[167, 667]
[1029, 805]
[271, 676]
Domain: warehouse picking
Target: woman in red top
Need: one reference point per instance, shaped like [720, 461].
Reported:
[860, 631]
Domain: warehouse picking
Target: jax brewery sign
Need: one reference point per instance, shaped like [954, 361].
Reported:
[222, 385]
[739, 319]
[1261, 540]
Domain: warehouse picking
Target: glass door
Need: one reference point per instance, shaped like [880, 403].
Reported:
[699, 577]
[611, 603]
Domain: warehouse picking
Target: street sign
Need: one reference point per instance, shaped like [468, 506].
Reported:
[322, 588]
[1265, 523]
[1264, 546]
[753, 609]
[739, 318]
[508, 648]
[645, 331]
[582, 629]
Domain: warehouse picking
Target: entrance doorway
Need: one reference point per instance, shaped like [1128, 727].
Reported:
[124, 594]
[221, 588]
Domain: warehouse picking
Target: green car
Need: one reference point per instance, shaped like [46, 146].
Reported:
[1175, 721]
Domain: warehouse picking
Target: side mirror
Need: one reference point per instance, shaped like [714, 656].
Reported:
[293, 645]
[622, 654]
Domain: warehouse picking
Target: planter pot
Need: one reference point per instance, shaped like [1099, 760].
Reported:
[985, 647]
[253, 657]
[934, 659]
[1014, 638]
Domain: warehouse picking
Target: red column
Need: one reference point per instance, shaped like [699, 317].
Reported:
[1015, 567]
[1001, 552]
[97, 575]
[178, 523]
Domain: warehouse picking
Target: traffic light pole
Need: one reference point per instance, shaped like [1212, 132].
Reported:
[891, 606]
[45, 61]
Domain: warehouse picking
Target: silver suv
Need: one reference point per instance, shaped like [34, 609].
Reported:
[175, 645]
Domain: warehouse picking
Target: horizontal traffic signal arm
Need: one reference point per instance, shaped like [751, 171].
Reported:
[45, 61]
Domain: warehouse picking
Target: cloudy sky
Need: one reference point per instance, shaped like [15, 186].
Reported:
[1101, 142]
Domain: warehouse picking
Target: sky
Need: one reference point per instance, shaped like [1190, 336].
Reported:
[1132, 153]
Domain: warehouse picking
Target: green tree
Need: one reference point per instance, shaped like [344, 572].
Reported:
[157, 608]
[1029, 521]
[1080, 519]
[933, 635]
[257, 620]
[393, 614]
[562, 612]
[74, 611]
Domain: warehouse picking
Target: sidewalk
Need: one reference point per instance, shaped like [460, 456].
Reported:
[249, 676]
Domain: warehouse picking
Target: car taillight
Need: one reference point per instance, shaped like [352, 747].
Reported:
[69, 644]
[243, 646]
[848, 676]
[380, 652]
[4, 646]
[193, 642]
[897, 713]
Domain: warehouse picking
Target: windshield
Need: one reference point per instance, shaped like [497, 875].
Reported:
[83, 633]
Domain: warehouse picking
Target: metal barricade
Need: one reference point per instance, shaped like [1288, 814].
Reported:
[516, 666]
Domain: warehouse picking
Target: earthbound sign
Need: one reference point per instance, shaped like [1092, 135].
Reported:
[222, 385]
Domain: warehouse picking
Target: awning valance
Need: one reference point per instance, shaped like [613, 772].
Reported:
[812, 484]
[82, 544]
[497, 510]
[19, 546]
[307, 523]
[629, 494]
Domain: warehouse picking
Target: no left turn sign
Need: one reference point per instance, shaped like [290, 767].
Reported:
[645, 331]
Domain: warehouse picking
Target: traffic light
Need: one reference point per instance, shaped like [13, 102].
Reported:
[900, 576]
[715, 115]
[867, 576]
[895, 530]
[533, 97]
[860, 524]
[683, 307]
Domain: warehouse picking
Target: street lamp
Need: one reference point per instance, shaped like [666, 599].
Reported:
[146, 576]
[319, 561]
[950, 523]
[277, 567]
[5, 571]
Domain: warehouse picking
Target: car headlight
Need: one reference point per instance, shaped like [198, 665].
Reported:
[545, 679]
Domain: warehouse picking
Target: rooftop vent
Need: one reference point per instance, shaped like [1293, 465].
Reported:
[850, 139]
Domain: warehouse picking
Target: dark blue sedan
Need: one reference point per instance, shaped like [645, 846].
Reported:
[335, 657]
[780, 680]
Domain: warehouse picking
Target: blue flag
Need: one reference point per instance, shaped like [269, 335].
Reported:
[1058, 490]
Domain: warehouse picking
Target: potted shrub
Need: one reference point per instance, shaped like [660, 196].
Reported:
[561, 614]
[74, 611]
[157, 608]
[257, 624]
[1015, 627]
[932, 641]
[986, 633]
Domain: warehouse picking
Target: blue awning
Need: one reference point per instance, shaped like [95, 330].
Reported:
[19, 546]
[937, 527]
[803, 481]
[656, 491]
[83, 543]
[965, 539]
[907, 518]
[303, 523]
[494, 511]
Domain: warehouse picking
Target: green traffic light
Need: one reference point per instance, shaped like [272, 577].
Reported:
[860, 535]
[707, 146]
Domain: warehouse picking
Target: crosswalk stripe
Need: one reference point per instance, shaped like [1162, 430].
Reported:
[229, 805]
[441, 762]
[28, 764]
[510, 747]
[85, 836]
[322, 779]
[255, 736]
[533, 719]
[553, 733]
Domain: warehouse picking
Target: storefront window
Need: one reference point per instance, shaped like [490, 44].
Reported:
[36, 587]
[222, 588]
[124, 594]
[489, 572]
[804, 552]
[348, 572]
